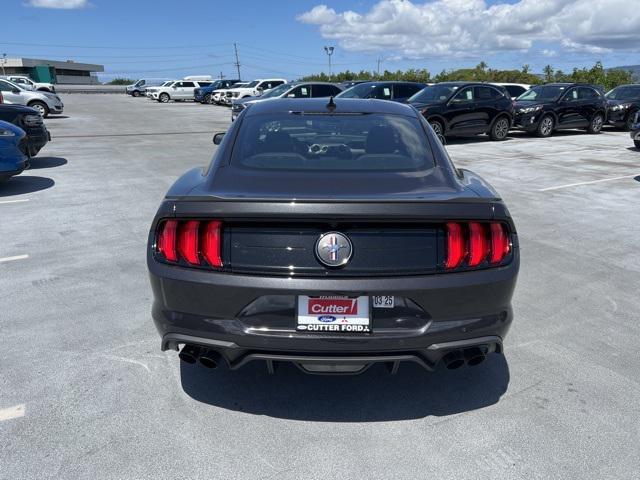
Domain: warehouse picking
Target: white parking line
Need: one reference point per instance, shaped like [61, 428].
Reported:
[10, 413]
[587, 183]
[11, 259]
[14, 201]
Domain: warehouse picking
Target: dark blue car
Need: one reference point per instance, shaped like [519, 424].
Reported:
[396, 91]
[13, 151]
[203, 94]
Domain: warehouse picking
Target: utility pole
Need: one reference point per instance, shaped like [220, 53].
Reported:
[329, 52]
[235, 47]
[221, 75]
[378, 68]
[4, 60]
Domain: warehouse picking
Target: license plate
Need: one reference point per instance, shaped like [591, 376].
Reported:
[383, 301]
[333, 314]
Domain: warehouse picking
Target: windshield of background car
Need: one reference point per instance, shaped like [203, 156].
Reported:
[362, 90]
[621, 93]
[332, 142]
[277, 91]
[252, 84]
[434, 94]
[544, 93]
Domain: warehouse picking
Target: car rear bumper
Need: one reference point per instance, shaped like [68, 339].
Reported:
[220, 311]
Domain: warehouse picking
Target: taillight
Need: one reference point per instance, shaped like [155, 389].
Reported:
[1, 99]
[211, 243]
[476, 244]
[193, 242]
[500, 244]
[455, 245]
[188, 241]
[167, 240]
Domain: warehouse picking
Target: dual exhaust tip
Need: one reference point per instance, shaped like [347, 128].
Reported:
[470, 356]
[207, 358]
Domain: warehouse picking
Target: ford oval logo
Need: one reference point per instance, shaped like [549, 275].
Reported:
[327, 318]
[334, 249]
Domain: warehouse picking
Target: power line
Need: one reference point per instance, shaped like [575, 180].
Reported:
[110, 47]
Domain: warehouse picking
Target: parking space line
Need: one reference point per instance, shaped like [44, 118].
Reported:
[12, 259]
[10, 413]
[22, 200]
[587, 183]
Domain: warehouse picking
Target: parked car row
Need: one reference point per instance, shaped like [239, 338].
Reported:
[44, 102]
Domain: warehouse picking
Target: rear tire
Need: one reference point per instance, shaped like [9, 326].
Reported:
[596, 124]
[437, 127]
[207, 98]
[637, 144]
[135, 93]
[545, 126]
[41, 107]
[500, 129]
[164, 98]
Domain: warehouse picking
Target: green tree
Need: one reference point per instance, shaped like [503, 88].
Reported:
[121, 81]
[548, 73]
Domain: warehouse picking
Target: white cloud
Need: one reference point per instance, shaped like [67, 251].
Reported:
[58, 4]
[471, 27]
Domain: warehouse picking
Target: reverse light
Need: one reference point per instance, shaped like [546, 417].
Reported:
[476, 244]
[191, 242]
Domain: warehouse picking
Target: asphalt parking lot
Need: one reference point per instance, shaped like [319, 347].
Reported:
[85, 391]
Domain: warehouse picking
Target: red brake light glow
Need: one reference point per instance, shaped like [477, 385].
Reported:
[211, 244]
[500, 244]
[167, 240]
[191, 242]
[188, 241]
[477, 244]
[455, 245]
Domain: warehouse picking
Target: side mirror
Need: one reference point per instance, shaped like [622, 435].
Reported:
[217, 138]
[260, 89]
[15, 90]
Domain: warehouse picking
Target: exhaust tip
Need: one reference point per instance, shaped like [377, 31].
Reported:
[474, 356]
[189, 354]
[210, 359]
[453, 360]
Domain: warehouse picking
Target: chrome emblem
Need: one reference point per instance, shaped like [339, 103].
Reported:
[334, 249]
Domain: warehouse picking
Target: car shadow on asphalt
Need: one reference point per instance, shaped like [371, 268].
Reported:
[473, 139]
[24, 184]
[373, 396]
[56, 117]
[47, 162]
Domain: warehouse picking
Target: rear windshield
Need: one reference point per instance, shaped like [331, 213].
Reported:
[355, 142]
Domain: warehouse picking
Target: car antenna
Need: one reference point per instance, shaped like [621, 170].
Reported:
[331, 106]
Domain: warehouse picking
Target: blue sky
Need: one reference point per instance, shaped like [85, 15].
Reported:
[164, 38]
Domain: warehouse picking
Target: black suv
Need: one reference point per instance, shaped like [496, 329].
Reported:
[465, 108]
[623, 102]
[560, 106]
[395, 91]
[31, 122]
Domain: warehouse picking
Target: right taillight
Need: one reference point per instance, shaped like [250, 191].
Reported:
[476, 244]
[190, 242]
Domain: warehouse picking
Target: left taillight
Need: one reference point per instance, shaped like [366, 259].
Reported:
[190, 242]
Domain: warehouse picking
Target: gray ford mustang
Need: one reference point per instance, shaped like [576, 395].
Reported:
[333, 235]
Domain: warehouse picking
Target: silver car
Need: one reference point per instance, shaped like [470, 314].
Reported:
[44, 102]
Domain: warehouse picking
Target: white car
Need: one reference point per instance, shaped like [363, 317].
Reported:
[149, 90]
[514, 89]
[29, 84]
[253, 89]
[43, 102]
[218, 96]
[179, 90]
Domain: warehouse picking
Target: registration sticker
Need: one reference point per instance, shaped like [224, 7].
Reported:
[333, 314]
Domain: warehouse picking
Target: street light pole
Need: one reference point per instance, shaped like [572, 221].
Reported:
[4, 60]
[329, 52]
